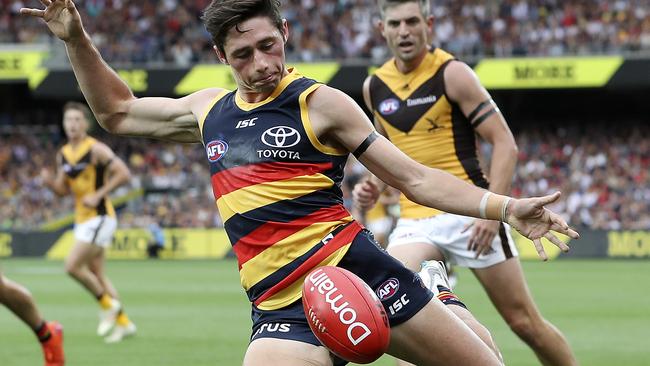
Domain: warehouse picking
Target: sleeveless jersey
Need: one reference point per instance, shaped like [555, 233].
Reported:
[83, 177]
[421, 121]
[277, 189]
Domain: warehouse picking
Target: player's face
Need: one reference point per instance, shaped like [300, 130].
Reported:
[255, 51]
[74, 124]
[406, 30]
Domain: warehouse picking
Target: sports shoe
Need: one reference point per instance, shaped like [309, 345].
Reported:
[53, 347]
[107, 318]
[120, 332]
[434, 274]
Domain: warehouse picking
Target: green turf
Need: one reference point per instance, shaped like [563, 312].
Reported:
[195, 313]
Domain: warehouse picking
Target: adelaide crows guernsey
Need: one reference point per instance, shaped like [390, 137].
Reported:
[421, 121]
[84, 177]
[277, 189]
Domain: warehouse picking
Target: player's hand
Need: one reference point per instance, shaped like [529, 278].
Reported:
[532, 220]
[91, 200]
[61, 16]
[365, 194]
[483, 233]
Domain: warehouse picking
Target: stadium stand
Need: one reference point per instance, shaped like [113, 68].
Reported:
[170, 31]
[602, 171]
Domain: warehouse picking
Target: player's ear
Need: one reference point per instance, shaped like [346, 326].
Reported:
[285, 30]
[380, 27]
[220, 55]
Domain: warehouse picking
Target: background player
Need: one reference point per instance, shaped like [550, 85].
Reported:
[50, 334]
[90, 170]
[431, 107]
[250, 35]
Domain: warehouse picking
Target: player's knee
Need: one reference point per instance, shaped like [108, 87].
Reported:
[524, 325]
[72, 269]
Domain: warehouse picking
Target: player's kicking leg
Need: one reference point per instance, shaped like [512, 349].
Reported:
[505, 285]
[412, 255]
[49, 334]
[284, 352]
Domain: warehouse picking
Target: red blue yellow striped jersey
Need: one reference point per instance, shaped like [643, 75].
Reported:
[277, 189]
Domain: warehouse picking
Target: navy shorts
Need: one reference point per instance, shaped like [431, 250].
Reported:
[400, 290]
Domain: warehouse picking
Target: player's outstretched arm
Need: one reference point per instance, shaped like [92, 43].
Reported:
[111, 100]
[336, 117]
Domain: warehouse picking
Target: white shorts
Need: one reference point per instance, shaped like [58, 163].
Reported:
[445, 232]
[99, 230]
[381, 226]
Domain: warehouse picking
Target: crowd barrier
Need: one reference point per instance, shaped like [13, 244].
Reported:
[213, 243]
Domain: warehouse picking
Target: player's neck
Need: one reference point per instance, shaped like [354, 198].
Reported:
[74, 141]
[407, 66]
[256, 96]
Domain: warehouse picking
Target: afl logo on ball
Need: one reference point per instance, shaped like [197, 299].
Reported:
[387, 289]
[216, 150]
[389, 106]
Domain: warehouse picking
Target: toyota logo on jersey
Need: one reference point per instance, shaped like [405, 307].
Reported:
[216, 149]
[281, 136]
[389, 106]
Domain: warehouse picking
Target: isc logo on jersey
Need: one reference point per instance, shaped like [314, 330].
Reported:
[389, 106]
[216, 149]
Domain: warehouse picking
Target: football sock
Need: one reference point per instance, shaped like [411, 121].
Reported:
[449, 298]
[122, 319]
[43, 332]
[105, 301]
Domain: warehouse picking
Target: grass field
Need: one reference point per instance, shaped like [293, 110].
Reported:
[194, 313]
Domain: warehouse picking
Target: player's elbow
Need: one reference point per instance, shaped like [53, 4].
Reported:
[111, 121]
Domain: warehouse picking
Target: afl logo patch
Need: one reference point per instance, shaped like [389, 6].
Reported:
[389, 106]
[216, 149]
[281, 136]
[387, 289]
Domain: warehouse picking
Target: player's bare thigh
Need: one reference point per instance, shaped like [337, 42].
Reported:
[435, 336]
[413, 254]
[283, 352]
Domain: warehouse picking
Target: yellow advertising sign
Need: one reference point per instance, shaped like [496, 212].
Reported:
[560, 72]
[21, 65]
[628, 244]
[132, 244]
[5, 245]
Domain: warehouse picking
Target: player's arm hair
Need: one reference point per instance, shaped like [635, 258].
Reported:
[117, 173]
[336, 116]
[118, 111]
[58, 184]
[464, 88]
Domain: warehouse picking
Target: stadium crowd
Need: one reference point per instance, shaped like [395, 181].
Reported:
[170, 31]
[604, 175]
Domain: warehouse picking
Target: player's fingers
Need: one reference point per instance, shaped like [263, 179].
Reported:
[69, 4]
[46, 3]
[545, 200]
[540, 249]
[559, 225]
[32, 12]
[555, 240]
[467, 227]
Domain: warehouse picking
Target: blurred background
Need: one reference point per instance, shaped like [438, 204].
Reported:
[571, 77]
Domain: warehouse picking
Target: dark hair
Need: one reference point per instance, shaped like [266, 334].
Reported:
[221, 15]
[76, 106]
[425, 6]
